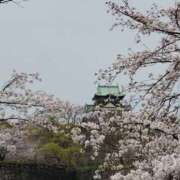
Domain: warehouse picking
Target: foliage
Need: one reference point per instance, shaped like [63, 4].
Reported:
[5, 125]
[66, 156]
[55, 148]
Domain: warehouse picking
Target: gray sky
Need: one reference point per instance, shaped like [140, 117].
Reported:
[66, 41]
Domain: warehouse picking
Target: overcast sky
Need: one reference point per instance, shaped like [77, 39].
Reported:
[66, 41]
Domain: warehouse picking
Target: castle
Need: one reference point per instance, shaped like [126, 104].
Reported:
[106, 97]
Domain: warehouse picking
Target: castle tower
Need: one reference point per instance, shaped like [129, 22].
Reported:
[106, 96]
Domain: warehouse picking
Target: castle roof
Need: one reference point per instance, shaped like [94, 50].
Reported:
[108, 90]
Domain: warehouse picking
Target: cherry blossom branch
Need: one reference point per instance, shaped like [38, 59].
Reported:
[7, 1]
[177, 16]
[139, 18]
[21, 104]
[11, 82]
[13, 118]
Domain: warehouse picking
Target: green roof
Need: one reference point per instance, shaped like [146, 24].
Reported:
[108, 90]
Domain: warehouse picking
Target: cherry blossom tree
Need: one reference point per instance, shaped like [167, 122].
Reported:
[18, 101]
[142, 143]
[162, 88]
